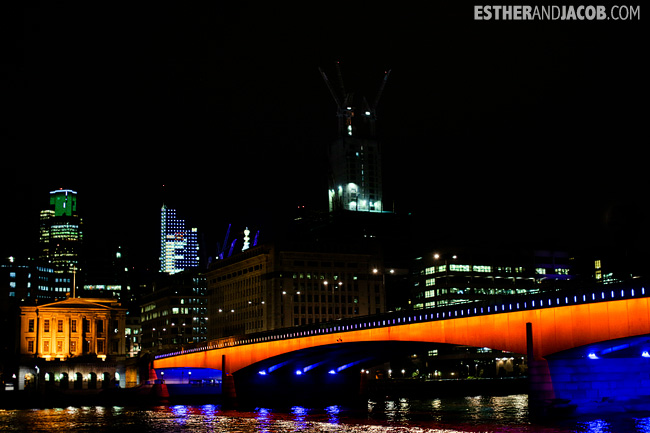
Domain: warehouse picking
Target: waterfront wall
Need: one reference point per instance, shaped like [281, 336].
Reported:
[69, 375]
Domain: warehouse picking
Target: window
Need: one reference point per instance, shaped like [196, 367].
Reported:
[59, 346]
[31, 326]
[73, 326]
[46, 325]
[100, 346]
[59, 326]
[30, 346]
[482, 268]
[73, 346]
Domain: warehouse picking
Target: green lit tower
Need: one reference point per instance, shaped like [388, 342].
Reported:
[60, 239]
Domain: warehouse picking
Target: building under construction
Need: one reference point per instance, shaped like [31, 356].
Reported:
[355, 180]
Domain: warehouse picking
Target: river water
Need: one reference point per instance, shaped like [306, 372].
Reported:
[507, 414]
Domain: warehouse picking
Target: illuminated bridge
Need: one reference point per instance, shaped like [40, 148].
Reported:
[587, 347]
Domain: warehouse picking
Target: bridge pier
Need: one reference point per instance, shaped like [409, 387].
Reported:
[582, 381]
[363, 384]
[541, 393]
[228, 390]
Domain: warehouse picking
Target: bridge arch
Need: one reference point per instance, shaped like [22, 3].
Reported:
[554, 329]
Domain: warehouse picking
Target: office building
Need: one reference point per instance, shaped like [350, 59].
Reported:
[179, 247]
[174, 314]
[274, 286]
[61, 239]
[451, 276]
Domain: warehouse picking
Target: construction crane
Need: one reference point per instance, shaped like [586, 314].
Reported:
[344, 99]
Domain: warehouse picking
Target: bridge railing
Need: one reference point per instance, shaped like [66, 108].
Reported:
[549, 299]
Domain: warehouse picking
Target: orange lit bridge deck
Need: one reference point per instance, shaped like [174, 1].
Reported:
[558, 323]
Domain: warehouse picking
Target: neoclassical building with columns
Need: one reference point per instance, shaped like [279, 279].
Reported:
[76, 343]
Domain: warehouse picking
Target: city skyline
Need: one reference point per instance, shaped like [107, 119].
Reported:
[515, 128]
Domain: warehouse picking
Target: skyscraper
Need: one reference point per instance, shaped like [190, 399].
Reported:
[355, 181]
[179, 247]
[60, 238]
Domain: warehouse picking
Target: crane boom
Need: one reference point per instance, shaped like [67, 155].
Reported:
[381, 88]
[331, 88]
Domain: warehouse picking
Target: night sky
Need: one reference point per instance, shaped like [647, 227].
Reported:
[518, 129]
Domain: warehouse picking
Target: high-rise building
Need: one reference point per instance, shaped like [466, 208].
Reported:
[60, 237]
[179, 247]
[355, 179]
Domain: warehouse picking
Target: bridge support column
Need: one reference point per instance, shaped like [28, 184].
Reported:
[228, 391]
[541, 394]
[540, 384]
[159, 388]
[363, 384]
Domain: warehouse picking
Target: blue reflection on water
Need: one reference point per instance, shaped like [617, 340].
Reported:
[595, 426]
[333, 412]
[300, 414]
[643, 425]
[264, 420]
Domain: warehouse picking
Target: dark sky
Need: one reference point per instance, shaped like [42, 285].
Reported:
[529, 129]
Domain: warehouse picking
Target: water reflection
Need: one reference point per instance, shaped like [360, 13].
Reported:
[333, 412]
[443, 415]
[299, 415]
[643, 425]
[264, 421]
[596, 426]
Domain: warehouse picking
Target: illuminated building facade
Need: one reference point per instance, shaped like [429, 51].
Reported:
[76, 343]
[460, 275]
[73, 327]
[60, 239]
[175, 314]
[272, 287]
[179, 247]
[355, 179]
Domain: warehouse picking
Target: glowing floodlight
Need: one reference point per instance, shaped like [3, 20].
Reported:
[592, 355]
[645, 354]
